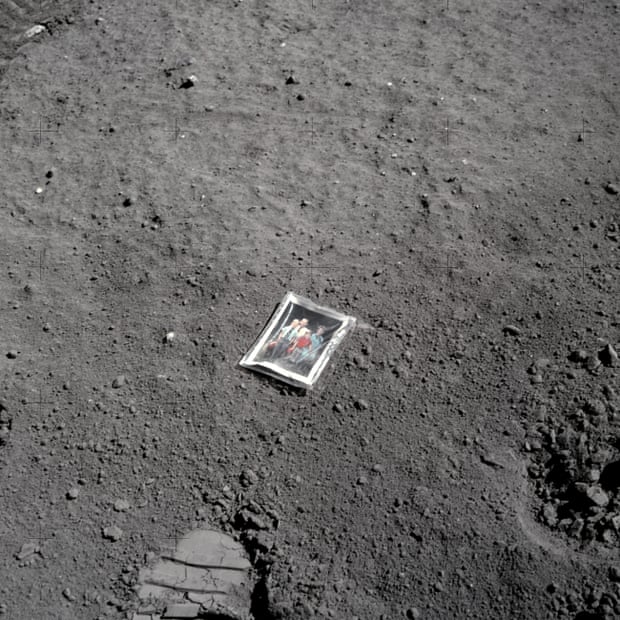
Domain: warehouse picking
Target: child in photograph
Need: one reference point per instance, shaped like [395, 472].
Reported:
[301, 342]
[286, 336]
[309, 355]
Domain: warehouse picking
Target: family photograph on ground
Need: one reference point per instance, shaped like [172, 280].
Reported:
[298, 341]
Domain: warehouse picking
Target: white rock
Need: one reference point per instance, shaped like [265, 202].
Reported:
[35, 30]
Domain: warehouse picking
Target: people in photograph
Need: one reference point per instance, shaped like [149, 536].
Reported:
[309, 355]
[301, 343]
[285, 337]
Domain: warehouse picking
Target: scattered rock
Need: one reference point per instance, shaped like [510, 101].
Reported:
[248, 477]
[69, 595]
[579, 356]
[73, 493]
[550, 515]
[592, 363]
[594, 406]
[189, 82]
[608, 355]
[291, 79]
[121, 505]
[361, 404]
[119, 381]
[113, 533]
[245, 519]
[597, 496]
[12, 354]
[491, 461]
[513, 330]
[38, 29]
[27, 550]
[611, 188]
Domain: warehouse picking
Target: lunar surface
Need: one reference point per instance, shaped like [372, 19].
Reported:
[445, 172]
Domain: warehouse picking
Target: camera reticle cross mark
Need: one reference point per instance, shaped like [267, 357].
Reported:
[40, 131]
[448, 130]
[311, 130]
[448, 268]
[41, 263]
[39, 402]
[312, 267]
[582, 269]
[40, 538]
[168, 551]
[584, 131]
[176, 131]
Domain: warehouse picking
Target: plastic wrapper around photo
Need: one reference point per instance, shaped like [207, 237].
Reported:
[298, 341]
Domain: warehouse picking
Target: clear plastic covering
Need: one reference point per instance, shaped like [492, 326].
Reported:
[298, 341]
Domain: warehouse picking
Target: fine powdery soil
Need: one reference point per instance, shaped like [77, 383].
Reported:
[446, 172]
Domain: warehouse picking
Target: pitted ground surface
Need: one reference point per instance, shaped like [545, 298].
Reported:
[441, 172]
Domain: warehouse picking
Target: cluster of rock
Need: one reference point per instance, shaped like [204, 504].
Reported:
[575, 463]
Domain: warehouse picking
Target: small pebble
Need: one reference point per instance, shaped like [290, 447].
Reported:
[189, 82]
[121, 505]
[73, 493]
[119, 381]
[248, 477]
[608, 355]
[113, 533]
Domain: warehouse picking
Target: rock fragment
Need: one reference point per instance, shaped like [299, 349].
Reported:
[189, 82]
[27, 550]
[113, 533]
[73, 493]
[608, 355]
[248, 477]
[121, 505]
[119, 381]
[34, 31]
[597, 496]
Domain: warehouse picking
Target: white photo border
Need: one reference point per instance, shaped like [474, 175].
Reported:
[309, 379]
